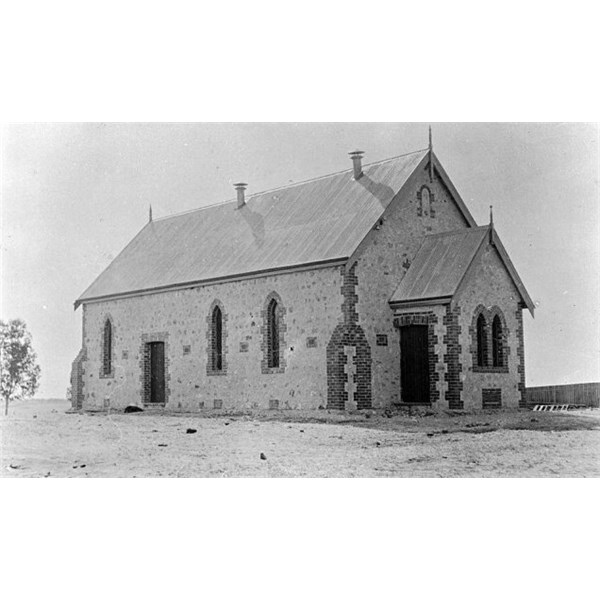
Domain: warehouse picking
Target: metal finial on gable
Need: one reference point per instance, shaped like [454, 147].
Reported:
[491, 224]
[150, 214]
[430, 156]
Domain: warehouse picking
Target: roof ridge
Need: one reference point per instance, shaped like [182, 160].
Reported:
[377, 162]
[457, 231]
[285, 187]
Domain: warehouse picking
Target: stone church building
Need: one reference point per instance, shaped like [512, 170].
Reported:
[357, 290]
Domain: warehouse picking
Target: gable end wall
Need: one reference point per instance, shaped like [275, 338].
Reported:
[489, 285]
[384, 259]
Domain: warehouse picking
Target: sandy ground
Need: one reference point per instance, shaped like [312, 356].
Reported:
[40, 439]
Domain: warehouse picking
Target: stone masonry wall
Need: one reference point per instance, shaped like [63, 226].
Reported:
[383, 262]
[310, 311]
[489, 286]
[77, 376]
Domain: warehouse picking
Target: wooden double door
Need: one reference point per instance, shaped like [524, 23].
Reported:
[414, 364]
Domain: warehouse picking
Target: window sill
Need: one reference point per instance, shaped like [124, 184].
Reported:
[490, 369]
[273, 370]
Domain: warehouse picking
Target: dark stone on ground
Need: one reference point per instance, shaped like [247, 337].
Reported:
[132, 409]
[190, 430]
[262, 456]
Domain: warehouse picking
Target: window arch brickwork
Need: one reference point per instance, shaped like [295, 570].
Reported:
[213, 346]
[349, 343]
[266, 347]
[107, 358]
[503, 350]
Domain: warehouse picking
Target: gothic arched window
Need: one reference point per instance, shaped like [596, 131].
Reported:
[217, 339]
[272, 335]
[481, 341]
[497, 341]
[107, 348]
[425, 201]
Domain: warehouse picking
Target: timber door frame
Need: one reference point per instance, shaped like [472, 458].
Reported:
[146, 370]
[415, 389]
[158, 379]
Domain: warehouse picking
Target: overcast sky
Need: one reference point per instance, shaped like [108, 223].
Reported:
[74, 194]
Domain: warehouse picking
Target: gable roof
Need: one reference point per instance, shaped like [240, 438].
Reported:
[442, 262]
[308, 223]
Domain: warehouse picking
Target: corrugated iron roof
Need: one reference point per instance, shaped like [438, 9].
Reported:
[439, 265]
[442, 262]
[315, 221]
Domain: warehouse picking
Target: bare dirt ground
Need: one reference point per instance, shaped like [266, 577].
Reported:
[40, 439]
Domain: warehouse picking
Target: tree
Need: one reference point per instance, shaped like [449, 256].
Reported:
[20, 371]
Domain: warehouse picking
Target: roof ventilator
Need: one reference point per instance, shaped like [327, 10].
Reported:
[356, 157]
[241, 193]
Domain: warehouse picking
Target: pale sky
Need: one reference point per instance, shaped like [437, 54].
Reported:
[74, 194]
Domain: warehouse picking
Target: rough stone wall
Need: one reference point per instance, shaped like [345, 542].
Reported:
[310, 308]
[77, 375]
[490, 287]
[382, 263]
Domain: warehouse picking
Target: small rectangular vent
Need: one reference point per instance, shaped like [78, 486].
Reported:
[244, 346]
[274, 404]
[187, 350]
[311, 342]
[218, 404]
[491, 398]
[125, 355]
[382, 339]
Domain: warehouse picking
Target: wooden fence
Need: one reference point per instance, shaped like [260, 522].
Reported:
[587, 394]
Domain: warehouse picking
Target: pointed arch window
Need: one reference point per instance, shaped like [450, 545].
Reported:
[217, 339]
[425, 201]
[481, 341]
[107, 348]
[497, 341]
[273, 335]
